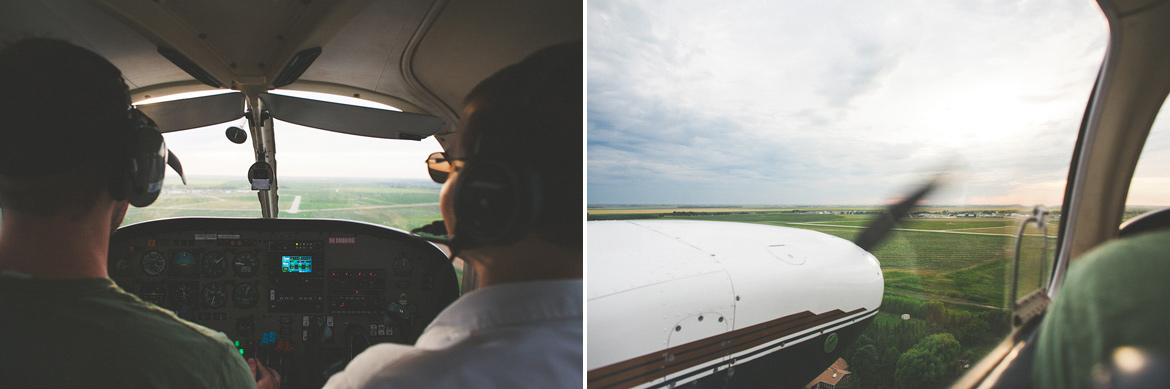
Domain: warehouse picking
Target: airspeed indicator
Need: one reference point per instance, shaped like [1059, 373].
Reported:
[153, 263]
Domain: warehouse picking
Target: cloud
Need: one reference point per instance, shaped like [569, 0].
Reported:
[833, 102]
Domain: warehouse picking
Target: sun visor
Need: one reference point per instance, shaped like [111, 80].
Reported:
[351, 119]
[196, 112]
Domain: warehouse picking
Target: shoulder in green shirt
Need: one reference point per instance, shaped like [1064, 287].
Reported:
[91, 333]
[1114, 296]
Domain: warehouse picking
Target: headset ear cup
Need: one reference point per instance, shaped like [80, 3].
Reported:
[145, 167]
[495, 203]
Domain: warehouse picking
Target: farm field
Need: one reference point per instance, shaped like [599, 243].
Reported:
[403, 204]
[986, 225]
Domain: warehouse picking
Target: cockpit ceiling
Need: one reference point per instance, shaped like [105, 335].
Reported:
[421, 56]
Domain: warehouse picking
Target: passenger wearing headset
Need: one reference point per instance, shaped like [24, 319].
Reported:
[74, 154]
[512, 207]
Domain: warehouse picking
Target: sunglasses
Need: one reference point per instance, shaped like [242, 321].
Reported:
[440, 167]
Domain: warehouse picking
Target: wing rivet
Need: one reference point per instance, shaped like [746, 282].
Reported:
[700, 318]
[720, 319]
[677, 328]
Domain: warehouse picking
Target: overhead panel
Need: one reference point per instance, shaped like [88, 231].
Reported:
[367, 52]
[470, 40]
[243, 44]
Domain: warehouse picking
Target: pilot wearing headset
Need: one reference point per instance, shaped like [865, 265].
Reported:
[511, 203]
[74, 154]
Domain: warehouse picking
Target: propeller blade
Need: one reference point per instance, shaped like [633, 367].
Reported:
[195, 112]
[173, 162]
[880, 227]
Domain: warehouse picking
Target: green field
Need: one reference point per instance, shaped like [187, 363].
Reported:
[402, 204]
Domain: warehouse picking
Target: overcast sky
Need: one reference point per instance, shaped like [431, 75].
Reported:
[837, 102]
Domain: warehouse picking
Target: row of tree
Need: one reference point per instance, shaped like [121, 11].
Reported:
[924, 352]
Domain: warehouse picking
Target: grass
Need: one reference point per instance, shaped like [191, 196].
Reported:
[404, 204]
[943, 224]
[763, 217]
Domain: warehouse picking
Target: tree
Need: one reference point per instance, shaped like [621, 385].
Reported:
[866, 365]
[937, 311]
[929, 363]
[917, 369]
[974, 331]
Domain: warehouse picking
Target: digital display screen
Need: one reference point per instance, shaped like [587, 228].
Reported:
[296, 264]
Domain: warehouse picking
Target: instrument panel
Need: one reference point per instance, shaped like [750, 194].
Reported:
[303, 296]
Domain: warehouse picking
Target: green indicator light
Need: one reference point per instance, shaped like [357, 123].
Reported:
[237, 344]
[241, 352]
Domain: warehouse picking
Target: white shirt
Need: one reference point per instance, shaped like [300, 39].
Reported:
[524, 334]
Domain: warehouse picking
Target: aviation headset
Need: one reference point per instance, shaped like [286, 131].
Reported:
[138, 169]
[497, 195]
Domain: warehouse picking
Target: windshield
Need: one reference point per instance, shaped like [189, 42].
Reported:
[321, 174]
[817, 115]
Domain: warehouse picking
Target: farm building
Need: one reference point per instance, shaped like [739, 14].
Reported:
[831, 377]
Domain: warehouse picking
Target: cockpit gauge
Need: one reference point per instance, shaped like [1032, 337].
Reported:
[245, 265]
[245, 296]
[403, 267]
[122, 267]
[184, 294]
[214, 295]
[245, 326]
[213, 264]
[153, 292]
[184, 264]
[153, 263]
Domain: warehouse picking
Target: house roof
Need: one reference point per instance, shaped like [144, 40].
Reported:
[833, 374]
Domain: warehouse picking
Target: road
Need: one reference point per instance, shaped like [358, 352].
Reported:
[296, 205]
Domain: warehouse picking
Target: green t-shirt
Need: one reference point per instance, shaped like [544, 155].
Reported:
[1114, 297]
[89, 333]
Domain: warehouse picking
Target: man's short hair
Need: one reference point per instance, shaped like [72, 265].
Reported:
[62, 113]
[532, 111]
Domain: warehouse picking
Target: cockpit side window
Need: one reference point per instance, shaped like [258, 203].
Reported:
[1149, 189]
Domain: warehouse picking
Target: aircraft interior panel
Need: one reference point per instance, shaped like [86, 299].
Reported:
[303, 296]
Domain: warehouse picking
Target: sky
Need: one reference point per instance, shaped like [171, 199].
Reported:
[840, 102]
[300, 151]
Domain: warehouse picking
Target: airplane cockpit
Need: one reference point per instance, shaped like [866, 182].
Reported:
[304, 292]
